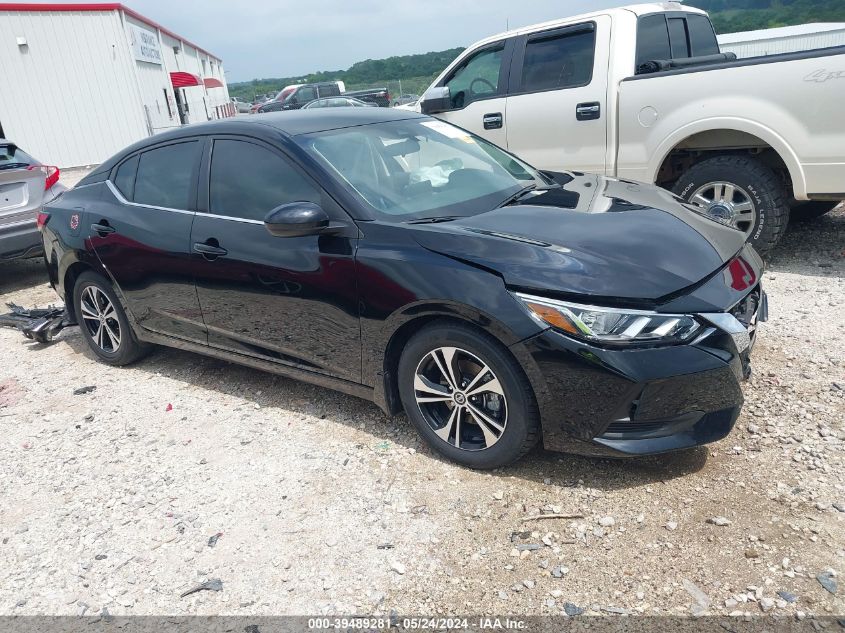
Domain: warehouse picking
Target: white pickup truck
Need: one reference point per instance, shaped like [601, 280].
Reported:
[643, 93]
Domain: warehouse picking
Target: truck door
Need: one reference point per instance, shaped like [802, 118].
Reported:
[477, 88]
[557, 98]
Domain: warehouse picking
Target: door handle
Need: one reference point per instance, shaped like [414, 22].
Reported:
[102, 228]
[210, 251]
[492, 121]
[588, 111]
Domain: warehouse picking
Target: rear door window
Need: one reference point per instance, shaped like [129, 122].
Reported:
[248, 181]
[165, 175]
[563, 60]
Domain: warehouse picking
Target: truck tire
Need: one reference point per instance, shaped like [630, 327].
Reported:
[810, 210]
[740, 191]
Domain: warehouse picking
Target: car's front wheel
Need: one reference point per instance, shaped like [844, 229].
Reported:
[467, 396]
[103, 322]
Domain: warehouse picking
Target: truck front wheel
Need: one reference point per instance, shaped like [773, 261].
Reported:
[739, 191]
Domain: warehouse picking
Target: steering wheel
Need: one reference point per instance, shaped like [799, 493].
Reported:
[480, 80]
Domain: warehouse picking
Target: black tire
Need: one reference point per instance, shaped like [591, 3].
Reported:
[129, 348]
[767, 193]
[810, 210]
[522, 422]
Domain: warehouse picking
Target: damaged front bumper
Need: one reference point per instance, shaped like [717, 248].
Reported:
[38, 324]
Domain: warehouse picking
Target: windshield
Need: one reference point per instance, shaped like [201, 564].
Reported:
[11, 157]
[421, 168]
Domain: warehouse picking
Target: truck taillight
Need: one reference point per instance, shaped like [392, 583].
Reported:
[41, 220]
[51, 174]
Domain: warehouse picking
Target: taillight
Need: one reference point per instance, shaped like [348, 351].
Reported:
[51, 174]
[41, 220]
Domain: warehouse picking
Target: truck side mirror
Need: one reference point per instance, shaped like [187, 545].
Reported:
[437, 99]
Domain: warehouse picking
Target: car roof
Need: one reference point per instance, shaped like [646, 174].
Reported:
[288, 123]
[297, 122]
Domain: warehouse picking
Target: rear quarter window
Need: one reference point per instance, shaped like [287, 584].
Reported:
[124, 178]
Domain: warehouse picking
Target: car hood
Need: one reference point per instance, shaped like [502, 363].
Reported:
[595, 236]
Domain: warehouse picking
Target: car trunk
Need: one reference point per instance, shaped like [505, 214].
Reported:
[21, 195]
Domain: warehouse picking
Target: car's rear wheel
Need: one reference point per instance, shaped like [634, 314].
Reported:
[103, 322]
[467, 396]
[739, 191]
[811, 209]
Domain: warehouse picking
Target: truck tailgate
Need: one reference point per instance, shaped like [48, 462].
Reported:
[21, 195]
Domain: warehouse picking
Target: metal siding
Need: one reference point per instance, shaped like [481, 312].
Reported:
[759, 45]
[153, 80]
[74, 100]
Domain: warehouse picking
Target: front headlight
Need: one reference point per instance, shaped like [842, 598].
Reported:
[611, 325]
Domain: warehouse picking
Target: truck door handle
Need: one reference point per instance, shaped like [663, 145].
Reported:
[588, 111]
[492, 121]
[102, 228]
[210, 249]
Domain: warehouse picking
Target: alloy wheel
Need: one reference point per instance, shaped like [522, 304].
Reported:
[460, 398]
[728, 204]
[100, 319]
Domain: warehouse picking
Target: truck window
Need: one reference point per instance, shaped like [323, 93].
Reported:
[674, 36]
[678, 38]
[558, 61]
[477, 77]
[306, 94]
[702, 37]
[652, 39]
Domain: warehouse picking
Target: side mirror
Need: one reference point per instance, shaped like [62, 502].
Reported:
[296, 219]
[438, 99]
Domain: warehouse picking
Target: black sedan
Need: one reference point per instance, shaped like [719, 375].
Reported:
[401, 259]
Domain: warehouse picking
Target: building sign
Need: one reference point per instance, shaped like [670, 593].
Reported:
[144, 44]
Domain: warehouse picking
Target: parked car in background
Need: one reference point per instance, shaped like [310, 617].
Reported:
[496, 304]
[643, 93]
[338, 102]
[378, 96]
[25, 186]
[295, 97]
[241, 106]
[257, 104]
[406, 99]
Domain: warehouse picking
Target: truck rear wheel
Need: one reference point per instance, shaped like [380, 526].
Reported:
[739, 191]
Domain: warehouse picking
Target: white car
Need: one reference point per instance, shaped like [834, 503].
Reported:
[25, 187]
[643, 93]
[241, 106]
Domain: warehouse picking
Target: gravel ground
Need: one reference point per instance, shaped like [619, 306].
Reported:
[183, 470]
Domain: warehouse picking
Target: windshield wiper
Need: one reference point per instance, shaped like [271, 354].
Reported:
[526, 190]
[14, 165]
[435, 219]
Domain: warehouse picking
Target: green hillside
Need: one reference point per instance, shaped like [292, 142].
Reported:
[416, 72]
[730, 16]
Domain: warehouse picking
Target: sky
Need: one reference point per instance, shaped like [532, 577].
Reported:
[286, 38]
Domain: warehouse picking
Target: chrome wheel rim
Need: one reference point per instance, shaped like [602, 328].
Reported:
[100, 319]
[461, 399]
[727, 203]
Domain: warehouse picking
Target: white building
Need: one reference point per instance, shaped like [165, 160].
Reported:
[78, 82]
[786, 39]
